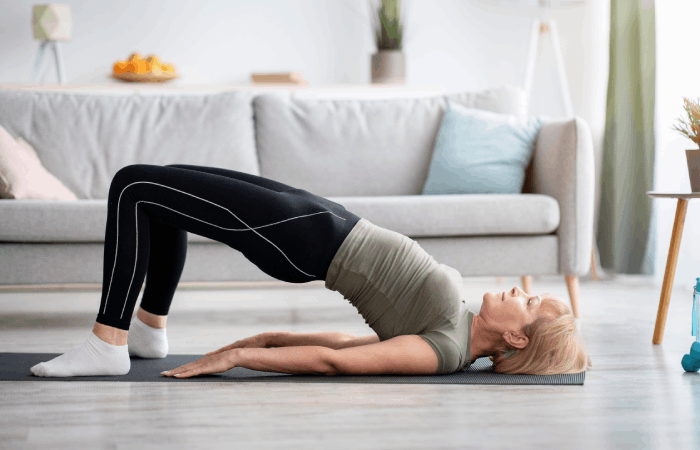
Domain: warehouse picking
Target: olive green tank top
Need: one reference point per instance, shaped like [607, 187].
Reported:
[399, 289]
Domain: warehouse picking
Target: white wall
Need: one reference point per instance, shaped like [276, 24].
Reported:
[459, 45]
[677, 77]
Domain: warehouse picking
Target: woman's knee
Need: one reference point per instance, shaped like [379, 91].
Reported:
[128, 175]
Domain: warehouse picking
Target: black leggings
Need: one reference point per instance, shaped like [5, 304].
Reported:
[290, 234]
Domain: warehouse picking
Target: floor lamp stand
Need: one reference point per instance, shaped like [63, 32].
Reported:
[539, 27]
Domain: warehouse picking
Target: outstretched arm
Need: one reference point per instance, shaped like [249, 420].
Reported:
[334, 340]
[408, 354]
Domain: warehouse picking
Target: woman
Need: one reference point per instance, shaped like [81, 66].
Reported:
[413, 304]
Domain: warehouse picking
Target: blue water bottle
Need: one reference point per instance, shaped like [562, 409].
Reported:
[691, 362]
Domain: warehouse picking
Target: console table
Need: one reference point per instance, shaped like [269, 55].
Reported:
[673, 249]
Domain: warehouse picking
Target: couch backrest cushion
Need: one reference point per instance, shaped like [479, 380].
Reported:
[359, 147]
[85, 138]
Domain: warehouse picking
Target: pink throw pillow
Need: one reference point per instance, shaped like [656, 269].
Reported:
[23, 177]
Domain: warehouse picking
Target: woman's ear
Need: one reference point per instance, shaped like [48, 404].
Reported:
[517, 340]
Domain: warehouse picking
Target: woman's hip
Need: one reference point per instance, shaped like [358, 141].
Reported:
[293, 229]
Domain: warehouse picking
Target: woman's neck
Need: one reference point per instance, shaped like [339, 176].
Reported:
[479, 344]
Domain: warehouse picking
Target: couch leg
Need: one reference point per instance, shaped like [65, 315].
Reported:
[527, 283]
[572, 284]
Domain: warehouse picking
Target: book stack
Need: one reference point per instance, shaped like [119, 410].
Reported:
[278, 78]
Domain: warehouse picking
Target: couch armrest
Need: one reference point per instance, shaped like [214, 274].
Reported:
[563, 167]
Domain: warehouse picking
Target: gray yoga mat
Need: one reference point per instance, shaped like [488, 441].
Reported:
[15, 367]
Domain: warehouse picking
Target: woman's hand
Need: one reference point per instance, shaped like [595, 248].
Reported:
[258, 341]
[221, 362]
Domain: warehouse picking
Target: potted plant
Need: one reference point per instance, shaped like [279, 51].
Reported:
[691, 129]
[388, 64]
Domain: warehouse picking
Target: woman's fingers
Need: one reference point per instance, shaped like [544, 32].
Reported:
[253, 341]
[208, 364]
[222, 349]
[180, 369]
[237, 344]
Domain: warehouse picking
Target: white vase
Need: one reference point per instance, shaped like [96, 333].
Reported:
[693, 157]
[388, 66]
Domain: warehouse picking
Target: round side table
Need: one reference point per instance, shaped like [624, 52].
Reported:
[672, 259]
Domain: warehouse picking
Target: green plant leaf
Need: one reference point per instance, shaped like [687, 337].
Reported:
[390, 33]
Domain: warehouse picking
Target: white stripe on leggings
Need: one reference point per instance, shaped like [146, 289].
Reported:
[231, 229]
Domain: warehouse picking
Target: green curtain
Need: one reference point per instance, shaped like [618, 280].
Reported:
[626, 226]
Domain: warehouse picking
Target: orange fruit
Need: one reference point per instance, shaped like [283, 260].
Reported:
[154, 66]
[153, 59]
[156, 70]
[120, 67]
[142, 66]
[137, 66]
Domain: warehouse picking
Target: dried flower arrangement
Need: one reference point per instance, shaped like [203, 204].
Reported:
[690, 128]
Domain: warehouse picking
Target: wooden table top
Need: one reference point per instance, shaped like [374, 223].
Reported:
[674, 194]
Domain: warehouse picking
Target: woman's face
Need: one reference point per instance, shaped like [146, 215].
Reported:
[511, 310]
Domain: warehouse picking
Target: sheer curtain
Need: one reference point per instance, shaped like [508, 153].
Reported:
[626, 224]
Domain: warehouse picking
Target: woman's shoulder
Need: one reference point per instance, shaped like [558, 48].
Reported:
[451, 341]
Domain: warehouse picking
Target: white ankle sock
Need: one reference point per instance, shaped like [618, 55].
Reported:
[92, 357]
[146, 341]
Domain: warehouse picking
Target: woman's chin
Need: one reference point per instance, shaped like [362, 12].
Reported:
[487, 297]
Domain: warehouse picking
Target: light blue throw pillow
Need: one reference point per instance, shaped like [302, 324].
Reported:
[480, 152]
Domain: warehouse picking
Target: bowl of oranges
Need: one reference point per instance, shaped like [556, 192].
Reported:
[149, 70]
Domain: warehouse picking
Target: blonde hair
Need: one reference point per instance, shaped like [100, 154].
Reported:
[555, 346]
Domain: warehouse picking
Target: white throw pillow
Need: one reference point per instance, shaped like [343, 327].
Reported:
[23, 177]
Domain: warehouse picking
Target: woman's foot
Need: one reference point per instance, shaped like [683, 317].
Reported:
[92, 357]
[147, 341]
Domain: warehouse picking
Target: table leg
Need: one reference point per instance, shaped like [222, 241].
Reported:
[527, 283]
[670, 273]
[594, 272]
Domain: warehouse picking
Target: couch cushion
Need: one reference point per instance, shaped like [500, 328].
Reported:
[22, 176]
[359, 146]
[481, 152]
[412, 215]
[83, 139]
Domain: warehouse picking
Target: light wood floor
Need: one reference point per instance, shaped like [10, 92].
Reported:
[636, 395]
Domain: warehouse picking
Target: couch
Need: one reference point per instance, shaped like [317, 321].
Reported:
[370, 155]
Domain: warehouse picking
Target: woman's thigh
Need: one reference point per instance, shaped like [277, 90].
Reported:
[242, 176]
[259, 181]
[290, 235]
